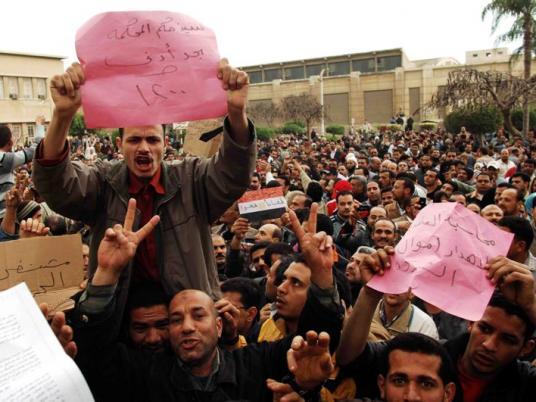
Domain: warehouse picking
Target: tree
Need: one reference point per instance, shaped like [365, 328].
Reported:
[265, 111]
[302, 107]
[523, 12]
[78, 125]
[485, 120]
[470, 89]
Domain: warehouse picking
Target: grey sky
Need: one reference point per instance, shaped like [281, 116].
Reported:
[256, 32]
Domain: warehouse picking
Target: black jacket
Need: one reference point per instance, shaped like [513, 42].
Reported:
[116, 372]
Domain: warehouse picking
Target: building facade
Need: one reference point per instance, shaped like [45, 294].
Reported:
[24, 91]
[369, 87]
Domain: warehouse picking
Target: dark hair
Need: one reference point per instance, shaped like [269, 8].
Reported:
[438, 195]
[273, 183]
[343, 193]
[145, 294]
[122, 131]
[315, 191]
[386, 190]
[410, 175]
[408, 184]
[498, 300]
[323, 222]
[525, 177]
[259, 245]
[250, 294]
[276, 248]
[520, 227]
[413, 342]
[285, 179]
[453, 184]
[5, 135]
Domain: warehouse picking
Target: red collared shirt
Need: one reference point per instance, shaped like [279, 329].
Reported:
[146, 261]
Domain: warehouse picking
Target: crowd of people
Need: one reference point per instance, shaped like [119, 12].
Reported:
[186, 300]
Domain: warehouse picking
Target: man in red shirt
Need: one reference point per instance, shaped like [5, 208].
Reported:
[188, 196]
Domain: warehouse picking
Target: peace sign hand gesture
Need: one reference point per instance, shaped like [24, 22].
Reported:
[317, 248]
[119, 246]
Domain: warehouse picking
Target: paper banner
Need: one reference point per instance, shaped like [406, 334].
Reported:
[148, 67]
[442, 258]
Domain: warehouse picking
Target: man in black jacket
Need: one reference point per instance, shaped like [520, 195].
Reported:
[196, 369]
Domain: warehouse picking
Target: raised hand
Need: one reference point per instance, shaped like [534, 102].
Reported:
[514, 280]
[65, 90]
[13, 198]
[309, 360]
[236, 83]
[230, 316]
[317, 248]
[63, 332]
[240, 228]
[119, 246]
[32, 228]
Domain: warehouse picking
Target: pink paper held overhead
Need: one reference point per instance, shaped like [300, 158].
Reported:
[148, 67]
[442, 258]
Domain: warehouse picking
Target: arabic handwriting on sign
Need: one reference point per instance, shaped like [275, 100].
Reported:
[130, 31]
[456, 226]
[20, 269]
[432, 245]
[166, 55]
[164, 28]
[434, 222]
[191, 28]
[159, 92]
[169, 69]
[195, 54]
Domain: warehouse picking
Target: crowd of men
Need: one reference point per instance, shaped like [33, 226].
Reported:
[185, 300]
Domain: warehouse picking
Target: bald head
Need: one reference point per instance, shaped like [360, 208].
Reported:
[192, 298]
[269, 232]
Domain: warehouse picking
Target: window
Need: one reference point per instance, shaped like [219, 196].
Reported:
[27, 88]
[255, 77]
[339, 68]
[31, 130]
[294, 73]
[389, 63]
[273, 74]
[2, 87]
[13, 87]
[41, 88]
[364, 66]
[313, 69]
[16, 131]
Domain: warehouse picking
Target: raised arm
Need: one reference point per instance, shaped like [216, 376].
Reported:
[356, 330]
[65, 91]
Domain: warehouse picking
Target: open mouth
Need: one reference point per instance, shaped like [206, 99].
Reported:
[189, 344]
[143, 162]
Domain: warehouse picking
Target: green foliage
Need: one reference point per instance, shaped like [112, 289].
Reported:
[387, 127]
[292, 128]
[479, 121]
[335, 129]
[265, 133]
[78, 126]
[517, 119]
[427, 126]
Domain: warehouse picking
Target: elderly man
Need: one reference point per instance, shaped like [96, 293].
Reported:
[188, 196]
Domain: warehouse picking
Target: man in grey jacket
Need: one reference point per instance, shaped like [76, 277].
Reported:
[188, 196]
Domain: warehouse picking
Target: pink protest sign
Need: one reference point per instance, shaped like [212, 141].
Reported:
[148, 67]
[442, 258]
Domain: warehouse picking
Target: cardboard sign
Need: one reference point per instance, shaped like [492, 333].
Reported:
[51, 266]
[258, 205]
[442, 258]
[148, 67]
